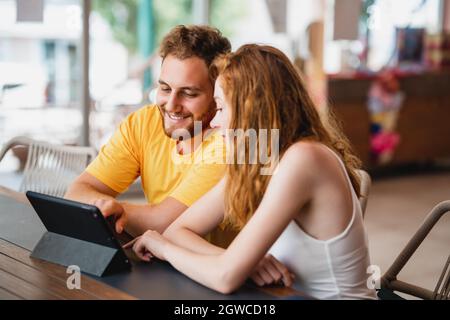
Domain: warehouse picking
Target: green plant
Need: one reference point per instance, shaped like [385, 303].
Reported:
[122, 16]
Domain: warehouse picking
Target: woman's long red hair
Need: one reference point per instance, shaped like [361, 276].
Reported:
[265, 91]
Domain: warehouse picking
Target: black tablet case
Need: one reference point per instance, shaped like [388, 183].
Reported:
[77, 234]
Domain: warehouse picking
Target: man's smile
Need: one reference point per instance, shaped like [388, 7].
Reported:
[177, 117]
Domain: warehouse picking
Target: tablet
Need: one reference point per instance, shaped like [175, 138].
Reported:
[78, 229]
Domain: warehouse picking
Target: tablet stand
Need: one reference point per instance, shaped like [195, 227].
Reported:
[90, 257]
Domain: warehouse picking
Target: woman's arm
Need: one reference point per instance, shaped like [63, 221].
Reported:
[289, 189]
[197, 221]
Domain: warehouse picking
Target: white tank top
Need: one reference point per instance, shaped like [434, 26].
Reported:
[328, 269]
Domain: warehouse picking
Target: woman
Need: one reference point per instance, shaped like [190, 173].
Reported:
[306, 214]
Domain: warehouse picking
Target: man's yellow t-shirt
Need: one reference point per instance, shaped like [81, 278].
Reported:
[141, 148]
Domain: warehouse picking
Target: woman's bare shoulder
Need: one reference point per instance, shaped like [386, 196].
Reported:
[308, 152]
[309, 160]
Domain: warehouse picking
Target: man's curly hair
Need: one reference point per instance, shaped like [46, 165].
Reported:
[204, 42]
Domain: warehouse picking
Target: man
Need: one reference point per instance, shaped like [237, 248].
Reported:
[144, 146]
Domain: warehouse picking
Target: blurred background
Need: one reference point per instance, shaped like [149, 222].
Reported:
[71, 70]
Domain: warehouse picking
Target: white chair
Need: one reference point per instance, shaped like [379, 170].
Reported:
[364, 189]
[50, 168]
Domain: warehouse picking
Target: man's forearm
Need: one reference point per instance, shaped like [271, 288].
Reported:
[147, 217]
[136, 218]
[139, 218]
[84, 192]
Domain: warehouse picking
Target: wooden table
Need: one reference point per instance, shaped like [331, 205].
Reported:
[22, 277]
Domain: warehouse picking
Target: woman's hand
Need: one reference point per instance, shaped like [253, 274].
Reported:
[150, 244]
[271, 271]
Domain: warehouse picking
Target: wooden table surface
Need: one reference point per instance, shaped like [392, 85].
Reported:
[23, 277]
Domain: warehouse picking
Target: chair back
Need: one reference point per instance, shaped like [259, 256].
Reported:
[366, 183]
[389, 281]
[50, 168]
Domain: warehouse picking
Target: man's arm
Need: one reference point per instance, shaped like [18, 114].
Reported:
[147, 217]
[135, 218]
[87, 189]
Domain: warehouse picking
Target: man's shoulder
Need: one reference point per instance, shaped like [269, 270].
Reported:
[142, 126]
[145, 121]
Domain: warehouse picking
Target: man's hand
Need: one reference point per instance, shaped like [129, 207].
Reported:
[111, 207]
[271, 271]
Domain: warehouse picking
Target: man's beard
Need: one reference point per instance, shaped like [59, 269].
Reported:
[188, 123]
